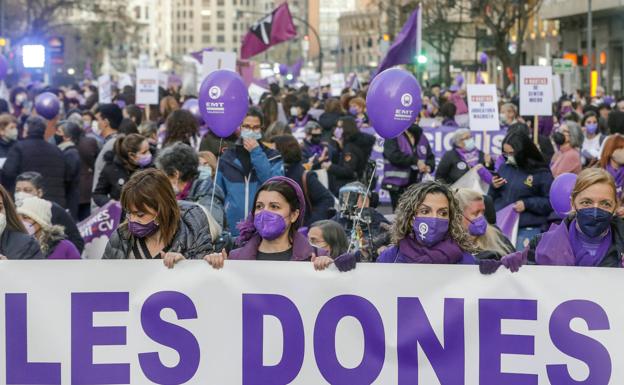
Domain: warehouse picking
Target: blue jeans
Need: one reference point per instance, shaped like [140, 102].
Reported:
[525, 234]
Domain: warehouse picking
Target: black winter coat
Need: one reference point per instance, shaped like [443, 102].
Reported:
[114, 175]
[72, 186]
[62, 218]
[353, 160]
[35, 154]
[452, 166]
[16, 245]
[88, 149]
[320, 199]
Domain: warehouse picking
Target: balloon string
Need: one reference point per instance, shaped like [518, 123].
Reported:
[214, 184]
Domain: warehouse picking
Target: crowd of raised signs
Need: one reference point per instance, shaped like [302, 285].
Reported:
[298, 181]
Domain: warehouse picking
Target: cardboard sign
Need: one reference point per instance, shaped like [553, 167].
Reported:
[147, 86]
[536, 90]
[563, 66]
[338, 83]
[483, 107]
[215, 60]
[256, 92]
[104, 89]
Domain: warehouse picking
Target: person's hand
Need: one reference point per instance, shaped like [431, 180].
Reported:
[326, 165]
[478, 167]
[250, 144]
[620, 211]
[489, 266]
[322, 262]
[324, 157]
[3, 258]
[216, 260]
[498, 182]
[346, 262]
[488, 159]
[519, 207]
[422, 167]
[170, 259]
[513, 261]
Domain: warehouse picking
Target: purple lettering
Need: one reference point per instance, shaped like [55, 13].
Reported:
[579, 346]
[84, 336]
[18, 369]
[255, 307]
[173, 336]
[414, 329]
[492, 343]
[325, 340]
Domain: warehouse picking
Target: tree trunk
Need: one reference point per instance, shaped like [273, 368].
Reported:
[446, 68]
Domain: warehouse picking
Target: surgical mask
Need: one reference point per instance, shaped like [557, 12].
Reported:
[141, 230]
[20, 196]
[58, 139]
[469, 144]
[250, 134]
[478, 226]
[30, 228]
[269, 224]
[591, 128]
[95, 127]
[430, 231]
[618, 156]
[338, 133]
[176, 189]
[315, 139]
[566, 110]
[205, 172]
[11, 134]
[511, 160]
[593, 221]
[503, 119]
[145, 160]
[353, 111]
[20, 99]
[294, 111]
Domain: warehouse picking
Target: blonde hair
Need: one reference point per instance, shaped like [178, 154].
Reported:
[413, 197]
[492, 240]
[590, 177]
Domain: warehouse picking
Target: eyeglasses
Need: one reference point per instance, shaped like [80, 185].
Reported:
[253, 128]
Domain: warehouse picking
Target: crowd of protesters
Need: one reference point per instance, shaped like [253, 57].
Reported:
[296, 181]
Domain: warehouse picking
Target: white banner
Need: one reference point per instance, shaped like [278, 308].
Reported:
[215, 60]
[536, 90]
[253, 323]
[483, 107]
[104, 89]
[147, 80]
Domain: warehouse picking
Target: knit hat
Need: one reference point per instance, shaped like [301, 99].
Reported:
[37, 209]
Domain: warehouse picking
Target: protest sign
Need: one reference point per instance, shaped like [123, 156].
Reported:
[98, 228]
[104, 89]
[536, 91]
[256, 92]
[483, 107]
[256, 323]
[216, 60]
[147, 80]
[507, 220]
[338, 83]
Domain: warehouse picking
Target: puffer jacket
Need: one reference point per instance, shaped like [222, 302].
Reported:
[192, 239]
[17, 245]
[201, 193]
[54, 244]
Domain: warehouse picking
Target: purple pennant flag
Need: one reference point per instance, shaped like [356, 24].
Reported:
[295, 69]
[507, 220]
[272, 29]
[199, 55]
[406, 45]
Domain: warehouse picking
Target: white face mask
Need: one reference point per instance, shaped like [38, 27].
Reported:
[3, 222]
[95, 127]
[294, 111]
[11, 134]
[20, 196]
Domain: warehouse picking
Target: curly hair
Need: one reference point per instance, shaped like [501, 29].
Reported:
[413, 197]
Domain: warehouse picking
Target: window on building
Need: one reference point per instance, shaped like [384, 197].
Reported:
[220, 26]
[220, 14]
[137, 12]
[206, 26]
[206, 39]
[234, 39]
[220, 39]
[190, 38]
[234, 26]
[221, 2]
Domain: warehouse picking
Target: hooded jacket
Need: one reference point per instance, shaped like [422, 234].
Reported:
[192, 239]
[355, 154]
[201, 193]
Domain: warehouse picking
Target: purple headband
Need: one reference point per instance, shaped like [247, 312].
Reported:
[246, 227]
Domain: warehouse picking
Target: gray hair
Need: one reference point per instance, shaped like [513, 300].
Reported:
[178, 157]
[576, 135]
[310, 126]
[334, 235]
[511, 106]
[459, 134]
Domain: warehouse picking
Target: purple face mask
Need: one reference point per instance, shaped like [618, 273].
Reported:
[141, 230]
[478, 226]
[430, 231]
[338, 133]
[591, 128]
[269, 224]
[353, 111]
[145, 160]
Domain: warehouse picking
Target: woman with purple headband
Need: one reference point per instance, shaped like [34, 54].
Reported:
[270, 231]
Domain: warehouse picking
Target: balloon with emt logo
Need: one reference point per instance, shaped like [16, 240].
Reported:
[393, 102]
[47, 105]
[192, 106]
[223, 102]
[560, 192]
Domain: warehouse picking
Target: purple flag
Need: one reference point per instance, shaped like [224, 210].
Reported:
[97, 229]
[406, 45]
[480, 78]
[199, 55]
[272, 29]
[507, 220]
[295, 69]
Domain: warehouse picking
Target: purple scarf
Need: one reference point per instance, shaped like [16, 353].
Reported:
[445, 252]
[301, 123]
[470, 157]
[618, 175]
[588, 251]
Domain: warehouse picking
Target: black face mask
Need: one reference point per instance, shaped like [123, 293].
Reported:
[415, 130]
[58, 139]
[315, 139]
[558, 138]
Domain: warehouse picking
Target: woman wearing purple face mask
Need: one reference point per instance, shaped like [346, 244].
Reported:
[131, 153]
[428, 228]
[487, 237]
[357, 109]
[270, 231]
[593, 140]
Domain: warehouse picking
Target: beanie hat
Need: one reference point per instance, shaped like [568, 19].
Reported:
[37, 209]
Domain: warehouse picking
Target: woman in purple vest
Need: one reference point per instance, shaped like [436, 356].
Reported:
[270, 232]
[591, 235]
[428, 228]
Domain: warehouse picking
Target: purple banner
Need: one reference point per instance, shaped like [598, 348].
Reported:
[507, 220]
[97, 229]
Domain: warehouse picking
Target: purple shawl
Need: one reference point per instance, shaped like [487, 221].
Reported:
[618, 175]
[302, 251]
[445, 252]
[472, 159]
[588, 252]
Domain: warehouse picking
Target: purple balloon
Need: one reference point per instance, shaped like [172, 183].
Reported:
[483, 58]
[192, 106]
[560, 192]
[4, 67]
[393, 102]
[47, 105]
[459, 80]
[223, 102]
[283, 69]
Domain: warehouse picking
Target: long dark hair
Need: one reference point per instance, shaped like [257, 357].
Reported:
[181, 127]
[126, 145]
[349, 128]
[290, 195]
[13, 222]
[527, 156]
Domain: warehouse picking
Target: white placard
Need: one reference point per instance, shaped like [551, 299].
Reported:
[483, 107]
[124, 80]
[215, 60]
[536, 90]
[557, 91]
[147, 86]
[338, 84]
[255, 92]
[104, 89]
